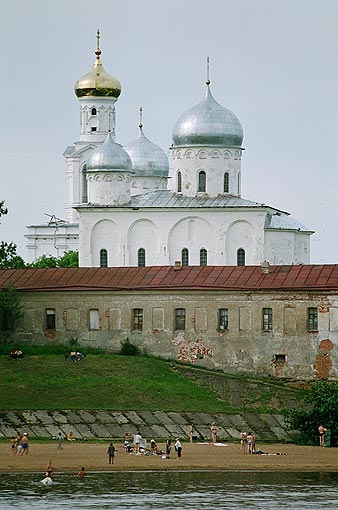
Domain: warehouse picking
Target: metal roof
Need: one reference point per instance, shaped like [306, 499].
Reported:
[168, 278]
[167, 198]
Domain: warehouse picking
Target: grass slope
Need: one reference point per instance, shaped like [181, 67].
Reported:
[106, 381]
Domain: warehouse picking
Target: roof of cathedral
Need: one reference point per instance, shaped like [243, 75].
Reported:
[147, 158]
[98, 82]
[171, 278]
[109, 156]
[278, 222]
[208, 123]
[168, 198]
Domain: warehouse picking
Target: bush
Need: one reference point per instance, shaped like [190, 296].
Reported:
[128, 349]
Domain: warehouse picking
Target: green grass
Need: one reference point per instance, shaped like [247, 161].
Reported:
[101, 381]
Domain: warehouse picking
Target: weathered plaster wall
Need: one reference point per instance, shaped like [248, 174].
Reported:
[288, 350]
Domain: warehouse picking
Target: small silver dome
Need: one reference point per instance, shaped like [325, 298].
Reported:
[147, 158]
[208, 123]
[109, 156]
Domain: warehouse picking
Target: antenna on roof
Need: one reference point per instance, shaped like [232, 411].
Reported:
[54, 220]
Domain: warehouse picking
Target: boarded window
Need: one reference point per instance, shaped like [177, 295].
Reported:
[94, 320]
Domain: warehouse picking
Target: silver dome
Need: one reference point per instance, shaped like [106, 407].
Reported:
[109, 156]
[208, 123]
[147, 158]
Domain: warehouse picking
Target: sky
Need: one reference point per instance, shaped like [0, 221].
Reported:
[274, 63]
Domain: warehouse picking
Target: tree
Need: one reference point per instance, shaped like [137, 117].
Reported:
[69, 259]
[44, 261]
[321, 403]
[10, 312]
[9, 259]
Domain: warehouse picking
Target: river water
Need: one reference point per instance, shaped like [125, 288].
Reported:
[194, 490]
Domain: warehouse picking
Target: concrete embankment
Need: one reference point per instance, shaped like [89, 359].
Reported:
[151, 424]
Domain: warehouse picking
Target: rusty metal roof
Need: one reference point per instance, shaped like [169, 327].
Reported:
[166, 278]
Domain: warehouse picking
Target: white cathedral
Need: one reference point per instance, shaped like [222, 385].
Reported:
[120, 212]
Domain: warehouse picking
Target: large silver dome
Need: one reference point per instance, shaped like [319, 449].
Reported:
[109, 156]
[147, 158]
[208, 123]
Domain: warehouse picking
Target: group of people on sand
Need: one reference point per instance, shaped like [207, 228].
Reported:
[247, 442]
[138, 446]
[20, 444]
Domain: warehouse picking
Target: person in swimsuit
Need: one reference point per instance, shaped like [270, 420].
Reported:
[321, 431]
[250, 442]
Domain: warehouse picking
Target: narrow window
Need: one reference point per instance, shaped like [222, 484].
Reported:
[84, 185]
[203, 257]
[223, 319]
[141, 257]
[94, 321]
[50, 319]
[103, 258]
[180, 319]
[94, 128]
[312, 319]
[241, 257]
[202, 179]
[179, 182]
[94, 111]
[185, 257]
[226, 182]
[267, 319]
[137, 319]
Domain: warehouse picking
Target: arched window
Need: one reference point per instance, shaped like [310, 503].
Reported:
[141, 257]
[241, 257]
[203, 257]
[202, 181]
[226, 183]
[103, 258]
[84, 185]
[179, 182]
[185, 257]
[94, 112]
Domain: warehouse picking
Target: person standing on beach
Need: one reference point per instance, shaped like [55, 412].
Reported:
[111, 453]
[137, 439]
[24, 444]
[168, 447]
[191, 432]
[60, 439]
[321, 431]
[214, 431]
[178, 448]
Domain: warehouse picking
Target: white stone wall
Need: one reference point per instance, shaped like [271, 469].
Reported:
[164, 233]
[215, 162]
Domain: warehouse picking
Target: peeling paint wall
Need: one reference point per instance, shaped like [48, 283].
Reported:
[287, 350]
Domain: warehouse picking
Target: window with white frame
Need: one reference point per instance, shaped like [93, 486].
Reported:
[180, 319]
[223, 319]
[137, 319]
[312, 319]
[267, 319]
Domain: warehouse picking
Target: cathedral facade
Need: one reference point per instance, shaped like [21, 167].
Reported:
[120, 212]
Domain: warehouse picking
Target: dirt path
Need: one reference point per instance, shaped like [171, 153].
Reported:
[93, 456]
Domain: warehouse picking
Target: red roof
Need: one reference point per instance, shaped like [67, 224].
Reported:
[246, 278]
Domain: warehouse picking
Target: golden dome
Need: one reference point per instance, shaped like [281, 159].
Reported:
[98, 82]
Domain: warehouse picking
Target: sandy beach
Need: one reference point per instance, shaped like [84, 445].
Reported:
[93, 456]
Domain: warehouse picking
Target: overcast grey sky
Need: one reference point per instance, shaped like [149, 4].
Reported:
[274, 63]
